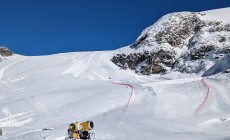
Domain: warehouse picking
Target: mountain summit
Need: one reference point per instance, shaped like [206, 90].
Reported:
[185, 42]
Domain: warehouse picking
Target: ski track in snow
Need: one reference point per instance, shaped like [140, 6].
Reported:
[178, 109]
[16, 120]
[172, 100]
[85, 61]
[103, 62]
[8, 66]
[82, 61]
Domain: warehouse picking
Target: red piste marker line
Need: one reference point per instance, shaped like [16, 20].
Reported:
[206, 97]
[131, 87]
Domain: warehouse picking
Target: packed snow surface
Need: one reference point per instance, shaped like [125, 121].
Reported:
[41, 96]
[217, 15]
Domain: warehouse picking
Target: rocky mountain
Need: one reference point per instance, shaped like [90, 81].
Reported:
[5, 51]
[186, 42]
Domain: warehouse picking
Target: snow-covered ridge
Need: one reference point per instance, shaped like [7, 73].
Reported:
[195, 40]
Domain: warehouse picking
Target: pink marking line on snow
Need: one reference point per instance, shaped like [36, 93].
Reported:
[127, 85]
[206, 97]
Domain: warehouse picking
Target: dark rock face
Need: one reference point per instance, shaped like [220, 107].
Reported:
[199, 53]
[146, 63]
[5, 51]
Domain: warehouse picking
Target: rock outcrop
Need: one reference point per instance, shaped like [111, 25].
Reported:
[146, 63]
[5, 52]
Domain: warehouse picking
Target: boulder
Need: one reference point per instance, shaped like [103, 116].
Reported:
[5, 51]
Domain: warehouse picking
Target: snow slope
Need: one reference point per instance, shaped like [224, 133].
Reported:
[217, 15]
[53, 91]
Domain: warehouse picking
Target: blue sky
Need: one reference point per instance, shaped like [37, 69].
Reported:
[41, 27]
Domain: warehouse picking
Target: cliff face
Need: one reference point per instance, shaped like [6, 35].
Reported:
[185, 42]
[147, 62]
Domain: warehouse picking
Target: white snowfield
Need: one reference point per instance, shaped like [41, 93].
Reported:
[53, 91]
[217, 15]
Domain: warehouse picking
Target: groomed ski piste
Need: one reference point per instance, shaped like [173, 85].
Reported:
[40, 96]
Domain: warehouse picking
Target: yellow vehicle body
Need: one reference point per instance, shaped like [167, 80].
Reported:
[76, 135]
[84, 126]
